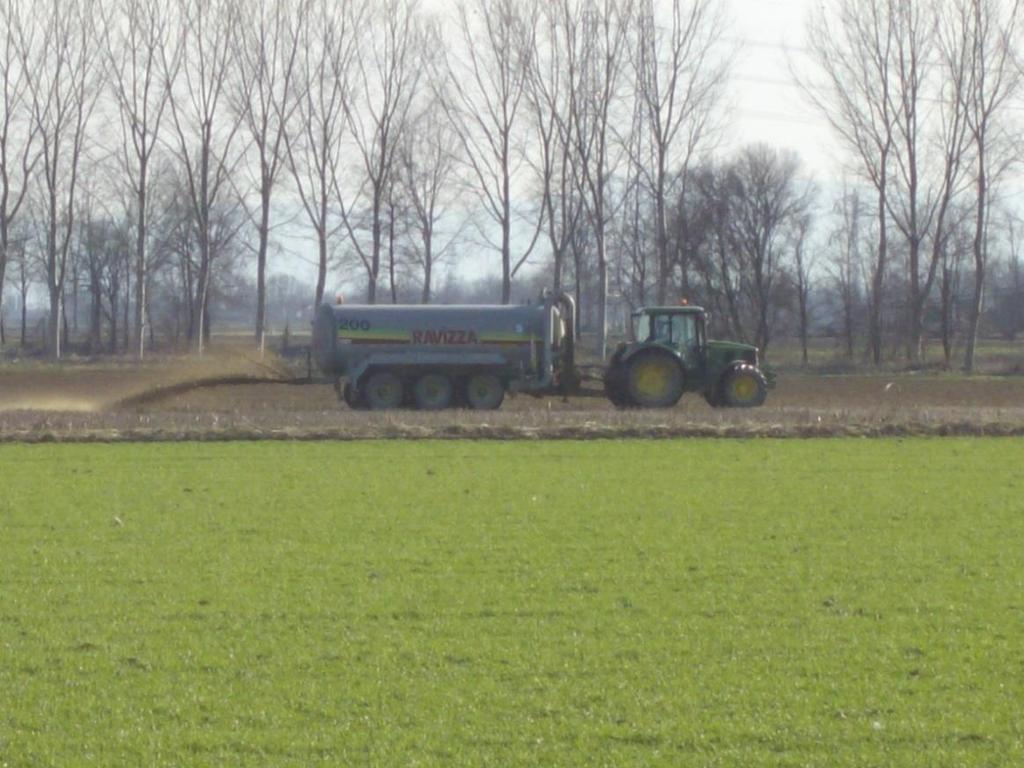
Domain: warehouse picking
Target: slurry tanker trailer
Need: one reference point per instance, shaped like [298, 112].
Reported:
[436, 357]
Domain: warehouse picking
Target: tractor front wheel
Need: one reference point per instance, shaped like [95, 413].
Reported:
[744, 387]
[654, 380]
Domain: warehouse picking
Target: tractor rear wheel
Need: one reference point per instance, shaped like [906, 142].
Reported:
[744, 387]
[615, 385]
[484, 392]
[432, 392]
[383, 390]
[654, 380]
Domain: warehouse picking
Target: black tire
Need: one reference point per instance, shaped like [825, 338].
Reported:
[615, 385]
[484, 392]
[654, 380]
[713, 397]
[352, 400]
[383, 391]
[744, 386]
[433, 392]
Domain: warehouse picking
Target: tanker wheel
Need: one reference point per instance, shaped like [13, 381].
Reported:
[654, 380]
[383, 390]
[744, 387]
[484, 392]
[354, 401]
[432, 392]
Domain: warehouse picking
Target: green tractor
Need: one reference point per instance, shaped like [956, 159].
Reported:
[671, 355]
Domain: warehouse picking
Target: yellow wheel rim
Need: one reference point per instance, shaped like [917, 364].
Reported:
[652, 380]
[744, 388]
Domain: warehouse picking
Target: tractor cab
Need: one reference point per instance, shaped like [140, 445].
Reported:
[670, 354]
[682, 329]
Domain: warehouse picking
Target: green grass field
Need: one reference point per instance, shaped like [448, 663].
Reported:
[774, 603]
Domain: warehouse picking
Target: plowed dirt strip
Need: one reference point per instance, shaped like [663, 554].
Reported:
[240, 399]
[212, 428]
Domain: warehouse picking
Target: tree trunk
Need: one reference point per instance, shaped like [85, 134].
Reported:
[113, 320]
[602, 291]
[875, 318]
[54, 327]
[803, 324]
[3, 272]
[428, 264]
[506, 251]
[202, 291]
[916, 325]
[374, 271]
[978, 249]
[391, 254]
[261, 261]
[947, 315]
[321, 267]
[140, 266]
[661, 235]
[24, 316]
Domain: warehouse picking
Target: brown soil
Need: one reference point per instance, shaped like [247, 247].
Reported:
[234, 398]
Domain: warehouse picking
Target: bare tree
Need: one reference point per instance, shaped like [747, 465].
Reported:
[427, 166]
[993, 80]
[133, 38]
[24, 276]
[197, 65]
[803, 277]
[956, 246]
[596, 43]
[910, 202]
[487, 107]
[681, 71]
[315, 148]
[264, 96]
[17, 148]
[1010, 301]
[548, 94]
[846, 263]
[769, 207]
[851, 41]
[57, 50]
[377, 115]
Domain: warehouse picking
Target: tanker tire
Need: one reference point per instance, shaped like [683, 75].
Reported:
[654, 380]
[352, 400]
[432, 392]
[744, 387]
[383, 391]
[484, 392]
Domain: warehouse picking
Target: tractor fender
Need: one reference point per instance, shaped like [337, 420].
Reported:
[730, 367]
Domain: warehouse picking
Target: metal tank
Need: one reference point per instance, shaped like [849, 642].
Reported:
[415, 348]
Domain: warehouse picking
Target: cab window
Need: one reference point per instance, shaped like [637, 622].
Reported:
[643, 326]
[684, 332]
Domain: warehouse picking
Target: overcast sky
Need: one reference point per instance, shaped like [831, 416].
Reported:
[766, 103]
